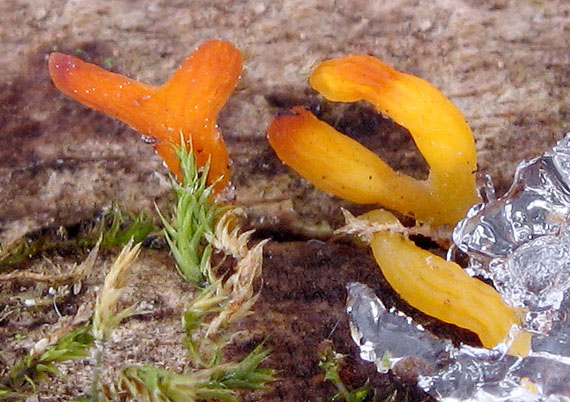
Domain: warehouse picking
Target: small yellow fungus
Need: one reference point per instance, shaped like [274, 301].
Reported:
[443, 289]
[338, 164]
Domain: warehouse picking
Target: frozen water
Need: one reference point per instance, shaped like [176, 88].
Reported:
[521, 242]
[536, 275]
[387, 338]
[537, 204]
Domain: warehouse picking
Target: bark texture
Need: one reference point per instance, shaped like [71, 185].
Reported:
[505, 64]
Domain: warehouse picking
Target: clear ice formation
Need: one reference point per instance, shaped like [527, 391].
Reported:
[521, 242]
[389, 339]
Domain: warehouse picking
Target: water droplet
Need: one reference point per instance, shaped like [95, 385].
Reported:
[29, 302]
[148, 139]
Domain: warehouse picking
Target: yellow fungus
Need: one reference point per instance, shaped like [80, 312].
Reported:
[438, 128]
[340, 165]
[529, 385]
[443, 289]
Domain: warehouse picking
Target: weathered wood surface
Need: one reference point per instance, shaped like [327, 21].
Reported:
[505, 64]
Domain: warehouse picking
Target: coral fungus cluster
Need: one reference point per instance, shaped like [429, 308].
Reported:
[338, 164]
[188, 103]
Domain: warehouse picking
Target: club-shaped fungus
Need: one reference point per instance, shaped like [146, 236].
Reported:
[340, 165]
[187, 104]
[443, 290]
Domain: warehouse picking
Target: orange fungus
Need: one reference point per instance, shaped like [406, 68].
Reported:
[186, 104]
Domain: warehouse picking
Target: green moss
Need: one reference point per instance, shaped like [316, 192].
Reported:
[219, 383]
[193, 220]
[331, 363]
[115, 226]
[37, 367]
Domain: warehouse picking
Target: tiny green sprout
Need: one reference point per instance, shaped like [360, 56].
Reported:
[194, 219]
[247, 374]
[108, 63]
[38, 364]
[221, 382]
[330, 364]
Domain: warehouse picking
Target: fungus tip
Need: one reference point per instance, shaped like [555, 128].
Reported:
[59, 67]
